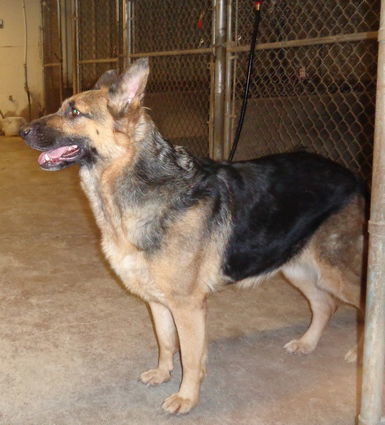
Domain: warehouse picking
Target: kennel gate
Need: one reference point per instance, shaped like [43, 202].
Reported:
[314, 77]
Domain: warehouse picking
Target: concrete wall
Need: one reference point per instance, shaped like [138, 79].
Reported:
[13, 98]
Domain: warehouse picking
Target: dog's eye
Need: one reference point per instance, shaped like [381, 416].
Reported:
[75, 112]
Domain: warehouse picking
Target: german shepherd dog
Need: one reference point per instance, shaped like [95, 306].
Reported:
[176, 228]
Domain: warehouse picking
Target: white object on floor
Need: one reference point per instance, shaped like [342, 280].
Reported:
[11, 125]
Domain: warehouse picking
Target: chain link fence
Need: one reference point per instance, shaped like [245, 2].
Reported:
[179, 101]
[177, 36]
[314, 78]
[52, 55]
[99, 39]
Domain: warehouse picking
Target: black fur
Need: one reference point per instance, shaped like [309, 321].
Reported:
[274, 204]
[277, 203]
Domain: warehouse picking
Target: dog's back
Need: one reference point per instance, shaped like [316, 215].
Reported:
[276, 204]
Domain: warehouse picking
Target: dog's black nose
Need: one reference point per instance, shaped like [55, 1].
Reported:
[24, 131]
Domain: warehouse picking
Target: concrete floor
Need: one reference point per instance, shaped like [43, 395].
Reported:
[73, 341]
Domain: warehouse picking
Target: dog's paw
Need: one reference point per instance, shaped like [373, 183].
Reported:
[178, 405]
[351, 355]
[298, 346]
[155, 376]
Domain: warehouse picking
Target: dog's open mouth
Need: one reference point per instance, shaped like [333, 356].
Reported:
[58, 157]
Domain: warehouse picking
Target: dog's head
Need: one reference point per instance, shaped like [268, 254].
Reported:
[96, 125]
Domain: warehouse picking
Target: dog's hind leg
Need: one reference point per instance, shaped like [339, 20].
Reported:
[345, 286]
[305, 277]
[330, 270]
[339, 252]
[168, 344]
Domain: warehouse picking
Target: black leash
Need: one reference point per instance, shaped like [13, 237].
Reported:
[250, 63]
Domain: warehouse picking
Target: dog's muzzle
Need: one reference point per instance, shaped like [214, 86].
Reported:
[58, 151]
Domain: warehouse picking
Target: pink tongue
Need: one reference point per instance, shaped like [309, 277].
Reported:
[52, 155]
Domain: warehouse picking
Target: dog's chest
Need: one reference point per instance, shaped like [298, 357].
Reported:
[132, 267]
[119, 237]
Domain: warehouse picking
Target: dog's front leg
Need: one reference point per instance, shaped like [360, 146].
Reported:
[168, 344]
[190, 320]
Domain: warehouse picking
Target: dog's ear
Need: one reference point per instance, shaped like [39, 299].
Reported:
[107, 79]
[129, 87]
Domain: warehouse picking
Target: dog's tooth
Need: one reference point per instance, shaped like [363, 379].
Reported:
[46, 157]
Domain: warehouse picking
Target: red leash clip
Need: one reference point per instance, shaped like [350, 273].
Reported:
[258, 4]
[200, 21]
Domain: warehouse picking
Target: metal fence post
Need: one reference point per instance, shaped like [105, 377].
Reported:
[374, 346]
[75, 47]
[216, 150]
[227, 132]
[128, 32]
